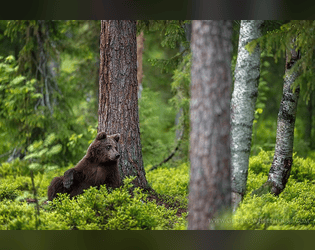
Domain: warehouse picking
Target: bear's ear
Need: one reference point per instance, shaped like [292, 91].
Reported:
[101, 136]
[91, 152]
[116, 137]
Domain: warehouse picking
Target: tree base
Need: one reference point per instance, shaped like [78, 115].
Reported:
[236, 200]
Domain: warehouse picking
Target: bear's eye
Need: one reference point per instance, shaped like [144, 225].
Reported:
[108, 147]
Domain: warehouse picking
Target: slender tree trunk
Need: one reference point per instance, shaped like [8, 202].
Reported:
[210, 182]
[279, 172]
[247, 72]
[118, 100]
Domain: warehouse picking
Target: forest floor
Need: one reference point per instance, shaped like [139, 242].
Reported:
[161, 200]
[166, 201]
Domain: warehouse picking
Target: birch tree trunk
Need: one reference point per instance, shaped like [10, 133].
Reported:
[279, 172]
[210, 180]
[118, 97]
[247, 72]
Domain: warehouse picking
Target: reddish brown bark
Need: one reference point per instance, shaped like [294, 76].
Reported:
[140, 42]
[118, 101]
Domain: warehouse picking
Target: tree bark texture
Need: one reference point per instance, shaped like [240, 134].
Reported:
[279, 172]
[118, 100]
[140, 47]
[210, 182]
[247, 72]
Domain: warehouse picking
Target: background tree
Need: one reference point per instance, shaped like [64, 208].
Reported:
[243, 104]
[210, 183]
[118, 100]
[280, 169]
[51, 86]
[298, 76]
[36, 94]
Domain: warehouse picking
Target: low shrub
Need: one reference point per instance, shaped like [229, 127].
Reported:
[171, 181]
[293, 209]
[125, 208]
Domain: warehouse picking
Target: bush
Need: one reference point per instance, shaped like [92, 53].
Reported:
[15, 168]
[93, 210]
[293, 209]
[16, 215]
[117, 209]
[8, 191]
[171, 181]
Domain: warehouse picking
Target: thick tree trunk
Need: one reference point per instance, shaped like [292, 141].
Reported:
[140, 45]
[118, 100]
[243, 103]
[279, 172]
[210, 182]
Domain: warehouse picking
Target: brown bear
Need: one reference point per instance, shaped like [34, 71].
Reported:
[99, 166]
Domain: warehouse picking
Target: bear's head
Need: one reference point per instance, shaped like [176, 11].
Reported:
[104, 148]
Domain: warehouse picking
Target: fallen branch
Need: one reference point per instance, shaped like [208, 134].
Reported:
[172, 154]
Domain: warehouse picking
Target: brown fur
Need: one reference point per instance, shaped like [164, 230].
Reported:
[99, 166]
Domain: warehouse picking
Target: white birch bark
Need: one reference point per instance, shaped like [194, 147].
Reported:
[279, 172]
[247, 72]
[280, 169]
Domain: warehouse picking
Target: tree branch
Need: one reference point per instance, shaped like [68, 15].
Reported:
[172, 154]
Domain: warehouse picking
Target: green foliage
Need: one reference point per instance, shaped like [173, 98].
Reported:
[172, 31]
[156, 127]
[261, 163]
[175, 66]
[41, 153]
[303, 169]
[16, 167]
[153, 77]
[18, 99]
[21, 216]
[279, 41]
[9, 191]
[264, 135]
[181, 99]
[293, 209]
[264, 88]
[171, 181]
[94, 210]
[40, 95]
[38, 39]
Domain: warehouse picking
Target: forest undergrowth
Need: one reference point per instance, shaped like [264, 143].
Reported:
[163, 206]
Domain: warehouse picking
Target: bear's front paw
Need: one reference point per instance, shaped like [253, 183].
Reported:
[68, 178]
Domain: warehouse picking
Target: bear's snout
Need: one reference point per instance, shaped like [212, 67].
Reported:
[117, 156]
